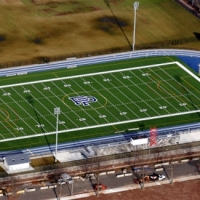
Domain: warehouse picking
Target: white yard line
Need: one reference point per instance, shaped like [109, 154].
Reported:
[157, 94]
[62, 103]
[115, 98]
[85, 75]
[139, 96]
[103, 125]
[167, 83]
[24, 111]
[99, 103]
[11, 109]
[91, 117]
[188, 71]
[40, 114]
[69, 106]
[180, 85]
[118, 88]
[2, 122]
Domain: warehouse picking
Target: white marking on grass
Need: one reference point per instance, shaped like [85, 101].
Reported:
[188, 71]
[61, 122]
[67, 104]
[102, 116]
[86, 82]
[173, 88]
[91, 74]
[46, 88]
[106, 124]
[11, 110]
[6, 127]
[183, 104]
[34, 108]
[19, 128]
[123, 113]
[82, 119]
[97, 91]
[155, 93]
[24, 111]
[106, 80]
[103, 125]
[27, 91]
[68, 118]
[67, 85]
[92, 118]
[111, 94]
[6, 94]
[131, 91]
[163, 107]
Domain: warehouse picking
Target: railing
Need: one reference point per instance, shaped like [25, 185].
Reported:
[152, 45]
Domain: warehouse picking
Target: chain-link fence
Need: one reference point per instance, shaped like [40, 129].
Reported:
[109, 162]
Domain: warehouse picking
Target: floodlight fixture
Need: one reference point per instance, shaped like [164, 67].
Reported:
[135, 6]
[56, 112]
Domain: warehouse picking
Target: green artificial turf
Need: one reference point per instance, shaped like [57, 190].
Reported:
[140, 98]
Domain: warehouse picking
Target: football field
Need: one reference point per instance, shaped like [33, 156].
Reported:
[98, 99]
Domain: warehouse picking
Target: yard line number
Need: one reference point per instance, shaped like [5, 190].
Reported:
[143, 110]
[123, 113]
[67, 85]
[19, 128]
[39, 125]
[6, 94]
[46, 88]
[163, 107]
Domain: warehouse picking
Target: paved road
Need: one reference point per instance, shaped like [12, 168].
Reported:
[181, 172]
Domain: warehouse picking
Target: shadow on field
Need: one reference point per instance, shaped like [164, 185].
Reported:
[30, 100]
[179, 80]
[197, 35]
[119, 23]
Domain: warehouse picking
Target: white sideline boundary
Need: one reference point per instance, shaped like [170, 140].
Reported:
[90, 74]
[105, 124]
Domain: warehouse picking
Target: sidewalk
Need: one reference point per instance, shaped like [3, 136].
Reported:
[82, 189]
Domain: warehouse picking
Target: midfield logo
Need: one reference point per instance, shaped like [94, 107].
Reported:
[83, 100]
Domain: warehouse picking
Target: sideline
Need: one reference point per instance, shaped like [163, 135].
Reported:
[67, 64]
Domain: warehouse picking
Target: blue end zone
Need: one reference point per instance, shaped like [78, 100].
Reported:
[191, 61]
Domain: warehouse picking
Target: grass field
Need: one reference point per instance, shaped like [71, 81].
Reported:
[97, 100]
[63, 27]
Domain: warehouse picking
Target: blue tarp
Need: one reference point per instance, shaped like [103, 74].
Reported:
[191, 61]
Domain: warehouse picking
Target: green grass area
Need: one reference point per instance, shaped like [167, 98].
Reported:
[126, 96]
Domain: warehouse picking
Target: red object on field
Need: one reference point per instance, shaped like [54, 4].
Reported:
[153, 136]
[100, 187]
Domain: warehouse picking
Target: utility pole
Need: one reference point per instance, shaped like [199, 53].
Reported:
[135, 6]
[56, 112]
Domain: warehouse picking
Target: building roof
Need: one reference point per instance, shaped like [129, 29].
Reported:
[17, 159]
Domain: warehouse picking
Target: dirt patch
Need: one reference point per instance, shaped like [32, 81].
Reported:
[110, 24]
[42, 161]
[43, 2]
[10, 2]
[188, 190]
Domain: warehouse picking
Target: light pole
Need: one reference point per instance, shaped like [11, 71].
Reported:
[199, 68]
[56, 112]
[135, 6]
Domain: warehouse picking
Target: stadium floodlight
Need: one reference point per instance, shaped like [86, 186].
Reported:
[199, 68]
[56, 112]
[135, 6]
